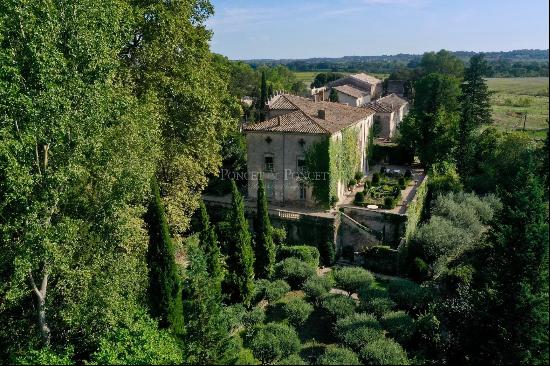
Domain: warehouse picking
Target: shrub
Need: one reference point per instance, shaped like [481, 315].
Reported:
[358, 176]
[389, 203]
[420, 270]
[352, 182]
[383, 351]
[273, 342]
[359, 197]
[306, 253]
[294, 271]
[279, 235]
[379, 305]
[271, 291]
[382, 170]
[375, 179]
[401, 182]
[338, 356]
[333, 201]
[408, 295]
[292, 360]
[367, 185]
[253, 317]
[338, 306]
[234, 315]
[328, 253]
[399, 324]
[356, 330]
[408, 174]
[381, 258]
[297, 311]
[316, 287]
[351, 279]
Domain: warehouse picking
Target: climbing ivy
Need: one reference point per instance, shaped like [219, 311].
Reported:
[317, 160]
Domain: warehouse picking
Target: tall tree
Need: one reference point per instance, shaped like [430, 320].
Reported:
[442, 62]
[164, 279]
[206, 339]
[264, 244]
[210, 246]
[263, 95]
[475, 112]
[240, 261]
[333, 96]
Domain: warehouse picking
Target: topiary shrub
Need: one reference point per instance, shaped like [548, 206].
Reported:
[292, 360]
[356, 330]
[401, 182]
[253, 317]
[297, 311]
[270, 290]
[305, 253]
[409, 295]
[338, 306]
[378, 306]
[316, 287]
[338, 356]
[358, 175]
[274, 341]
[383, 351]
[351, 279]
[359, 197]
[294, 271]
[375, 179]
[328, 253]
[399, 324]
[389, 203]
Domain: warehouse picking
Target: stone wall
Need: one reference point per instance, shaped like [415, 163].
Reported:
[389, 226]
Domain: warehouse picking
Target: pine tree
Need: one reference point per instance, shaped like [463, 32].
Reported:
[207, 340]
[265, 246]
[240, 261]
[210, 246]
[476, 111]
[164, 280]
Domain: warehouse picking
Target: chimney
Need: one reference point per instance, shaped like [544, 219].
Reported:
[321, 113]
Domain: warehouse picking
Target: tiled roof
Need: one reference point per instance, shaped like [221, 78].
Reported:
[351, 91]
[387, 104]
[366, 78]
[305, 117]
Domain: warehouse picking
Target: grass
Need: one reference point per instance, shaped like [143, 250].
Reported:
[515, 97]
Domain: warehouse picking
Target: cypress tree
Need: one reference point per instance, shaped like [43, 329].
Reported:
[263, 95]
[333, 96]
[265, 246]
[164, 281]
[210, 246]
[240, 261]
[476, 111]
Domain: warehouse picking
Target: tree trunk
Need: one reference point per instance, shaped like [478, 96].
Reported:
[41, 297]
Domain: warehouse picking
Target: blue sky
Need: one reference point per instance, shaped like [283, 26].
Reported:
[245, 29]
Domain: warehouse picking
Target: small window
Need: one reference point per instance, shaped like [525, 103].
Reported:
[301, 165]
[268, 163]
[303, 191]
[270, 188]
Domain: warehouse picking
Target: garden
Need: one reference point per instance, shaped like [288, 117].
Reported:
[384, 189]
[342, 317]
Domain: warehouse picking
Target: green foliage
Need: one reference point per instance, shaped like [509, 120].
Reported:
[338, 306]
[409, 295]
[164, 280]
[351, 279]
[399, 324]
[264, 243]
[327, 252]
[338, 356]
[389, 203]
[253, 317]
[344, 155]
[375, 178]
[272, 291]
[383, 351]
[294, 271]
[443, 178]
[378, 305]
[359, 197]
[234, 315]
[140, 342]
[292, 360]
[356, 330]
[317, 286]
[306, 253]
[318, 160]
[240, 261]
[333, 96]
[381, 259]
[206, 336]
[279, 236]
[442, 62]
[274, 341]
[297, 311]
[45, 356]
[324, 78]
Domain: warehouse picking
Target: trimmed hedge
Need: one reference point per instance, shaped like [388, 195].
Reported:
[409, 295]
[253, 317]
[356, 330]
[383, 351]
[338, 356]
[400, 326]
[316, 287]
[378, 305]
[270, 290]
[274, 341]
[351, 279]
[338, 306]
[292, 360]
[294, 271]
[297, 311]
[306, 253]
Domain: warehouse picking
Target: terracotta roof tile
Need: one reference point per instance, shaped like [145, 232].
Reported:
[351, 91]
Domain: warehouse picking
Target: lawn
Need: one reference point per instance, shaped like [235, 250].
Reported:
[515, 97]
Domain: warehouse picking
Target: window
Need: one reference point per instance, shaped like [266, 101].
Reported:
[270, 188]
[303, 191]
[268, 163]
[301, 165]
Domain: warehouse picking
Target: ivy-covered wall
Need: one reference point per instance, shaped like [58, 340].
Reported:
[317, 160]
[415, 209]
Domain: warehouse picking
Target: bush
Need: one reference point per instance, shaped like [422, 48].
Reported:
[351, 279]
[306, 253]
[279, 236]
[352, 182]
[420, 270]
[359, 197]
[292, 360]
[383, 351]
[389, 203]
[328, 253]
[234, 315]
[294, 271]
[333, 201]
[273, 342]
[399, 324]
[382, 170]
[356, 330]
[375, 179]
[408, 295]
[367, 185]
[408, 174]
[337, 306]
[381, 259]
[358, 176]
[338, 356]
[379, 305]
[253, 317]
[316, 287]
[401, 182]
[297, 311]
[271, 291]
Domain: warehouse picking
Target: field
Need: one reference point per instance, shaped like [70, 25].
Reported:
[514, 97]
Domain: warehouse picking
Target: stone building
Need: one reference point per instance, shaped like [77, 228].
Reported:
[390, 111]
[277, 147]
[354, 90]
